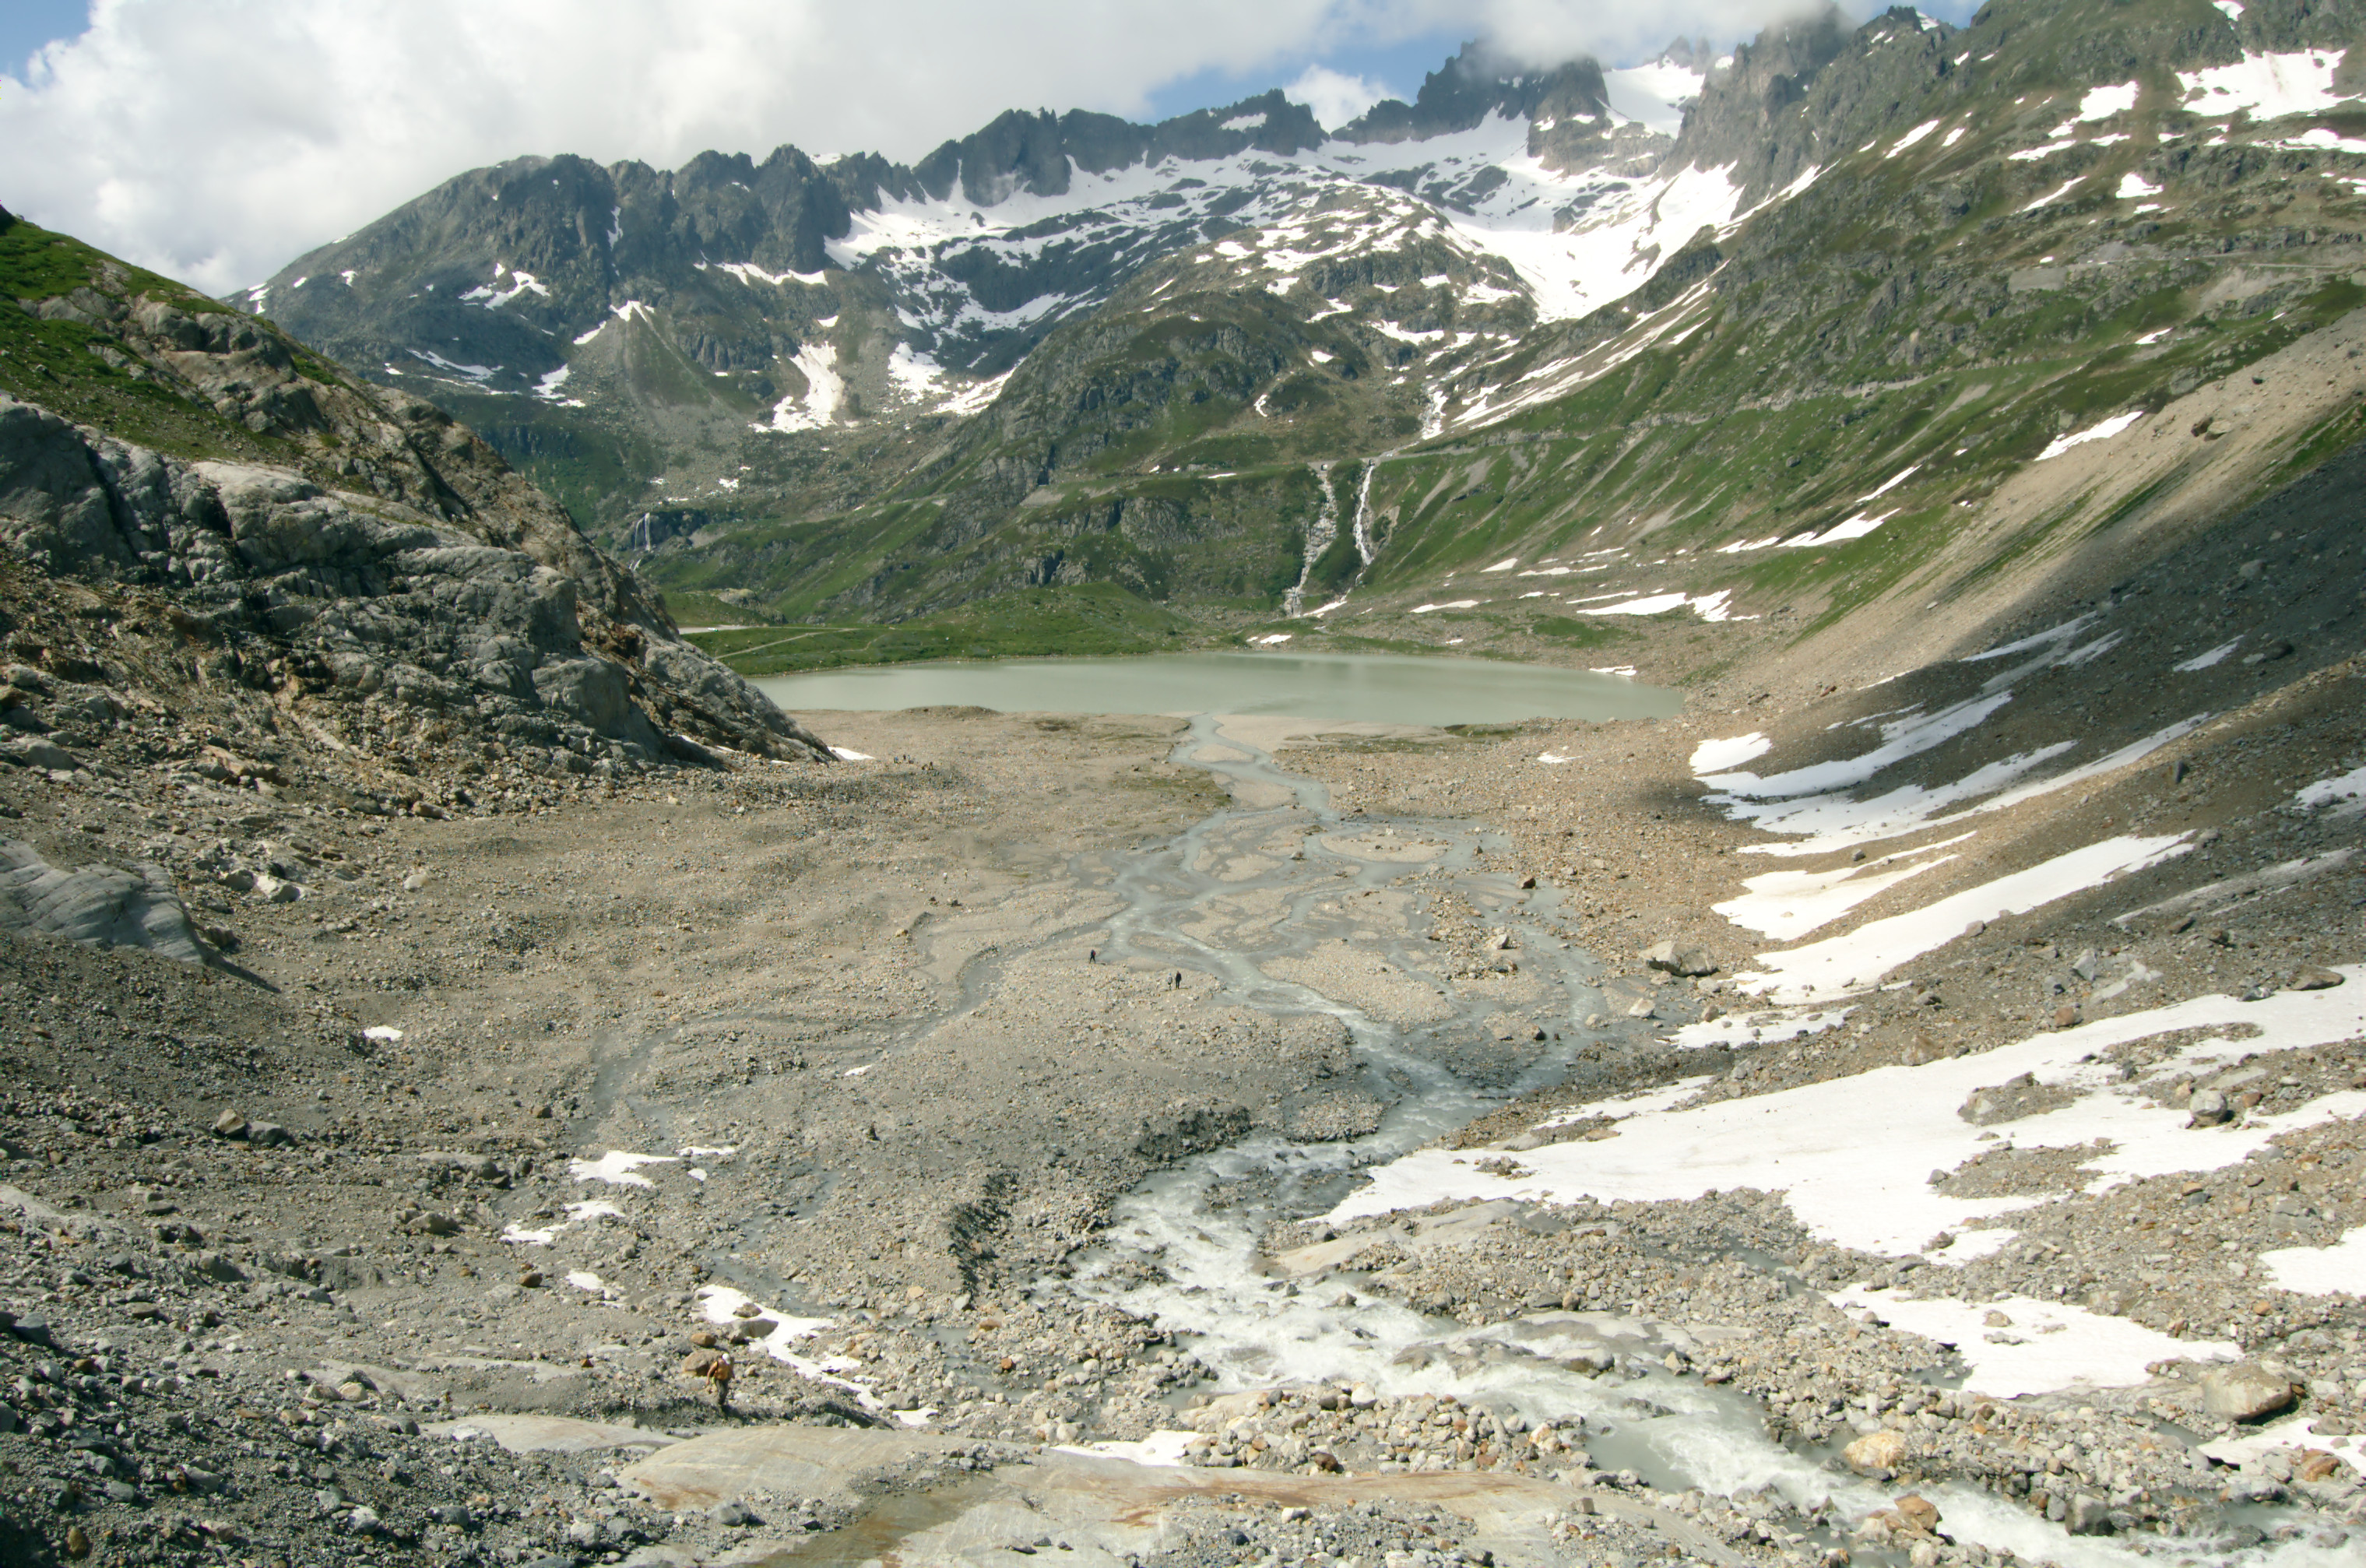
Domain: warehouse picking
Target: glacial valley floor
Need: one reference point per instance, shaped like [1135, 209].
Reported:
[1224, 1141]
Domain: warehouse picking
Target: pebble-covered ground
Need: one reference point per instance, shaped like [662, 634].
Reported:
[513, 1094]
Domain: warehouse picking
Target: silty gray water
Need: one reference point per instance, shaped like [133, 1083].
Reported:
[1195, 1265]
[1266, 883]
[1185, 1248]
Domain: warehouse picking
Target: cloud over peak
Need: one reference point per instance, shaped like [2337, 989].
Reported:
[216, 143]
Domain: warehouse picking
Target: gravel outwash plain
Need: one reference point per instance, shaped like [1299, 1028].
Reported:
[402, 1223]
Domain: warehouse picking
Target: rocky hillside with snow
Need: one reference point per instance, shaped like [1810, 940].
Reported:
[598, 323]
[1777, 328]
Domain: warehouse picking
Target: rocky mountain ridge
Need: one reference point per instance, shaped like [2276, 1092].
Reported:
[1235, 381]
[2051, 225]
[201, 515]
[602, 323]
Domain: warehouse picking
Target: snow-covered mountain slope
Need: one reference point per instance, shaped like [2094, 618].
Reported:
[792, 295]
[1874, 274]
[1576, 238]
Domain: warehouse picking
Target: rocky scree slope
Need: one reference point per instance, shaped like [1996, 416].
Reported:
[194, 505]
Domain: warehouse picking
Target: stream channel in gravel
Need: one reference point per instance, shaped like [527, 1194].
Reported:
[1184, 1249]
[1265, 883]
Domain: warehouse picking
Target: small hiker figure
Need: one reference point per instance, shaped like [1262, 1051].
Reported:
[1176, 983]
[1092, 956]
[718, 1372]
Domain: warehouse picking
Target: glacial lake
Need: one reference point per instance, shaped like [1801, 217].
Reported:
[1382, 688]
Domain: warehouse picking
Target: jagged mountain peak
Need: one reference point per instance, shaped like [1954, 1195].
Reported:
[1143, 315]
[502, 281]
[1477, 83]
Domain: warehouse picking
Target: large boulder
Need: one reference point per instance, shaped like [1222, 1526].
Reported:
[1875, 1453]
[2247, 1391]
[97, 904]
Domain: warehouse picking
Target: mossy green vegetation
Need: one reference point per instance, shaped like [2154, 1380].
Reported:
[76, 368]
[690, 608]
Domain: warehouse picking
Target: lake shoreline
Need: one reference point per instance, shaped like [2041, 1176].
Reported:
[1324, 687]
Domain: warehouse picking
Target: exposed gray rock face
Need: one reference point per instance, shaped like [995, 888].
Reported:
[98, 904]
[365, 598]
[313, 538]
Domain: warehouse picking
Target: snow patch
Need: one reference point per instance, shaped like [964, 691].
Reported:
[916, 375]
[493, 294]
[1717, 606]
[1834, 821]
[1911, 137]
[1160, 1450]
[2103, 103]
[1905, 738]
[2322, 140]
[1649, 604]
[1890, 484]
[749, 272]
[1653, 95]
[720, 1304]
[1853, 1153]
[617, 1167]
[1845, 965]
[2103, 432]
[2056, 194]
[2266, 87]
[978, 397]
[2321, 1271]
[2048, 1346]
[1757, 1028]
[1787, 904]
[2346, 793]
[1718, 756]
[472, 372]
[824, 388]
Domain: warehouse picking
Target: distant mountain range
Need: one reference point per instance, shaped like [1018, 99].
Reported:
[1231, 359]
[623, 312]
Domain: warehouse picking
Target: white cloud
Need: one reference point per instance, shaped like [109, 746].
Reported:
[216, 143]
[1544, 32]
[1334, 98]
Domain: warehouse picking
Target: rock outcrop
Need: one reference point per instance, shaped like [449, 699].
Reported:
[355, 552]
[97, 904]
